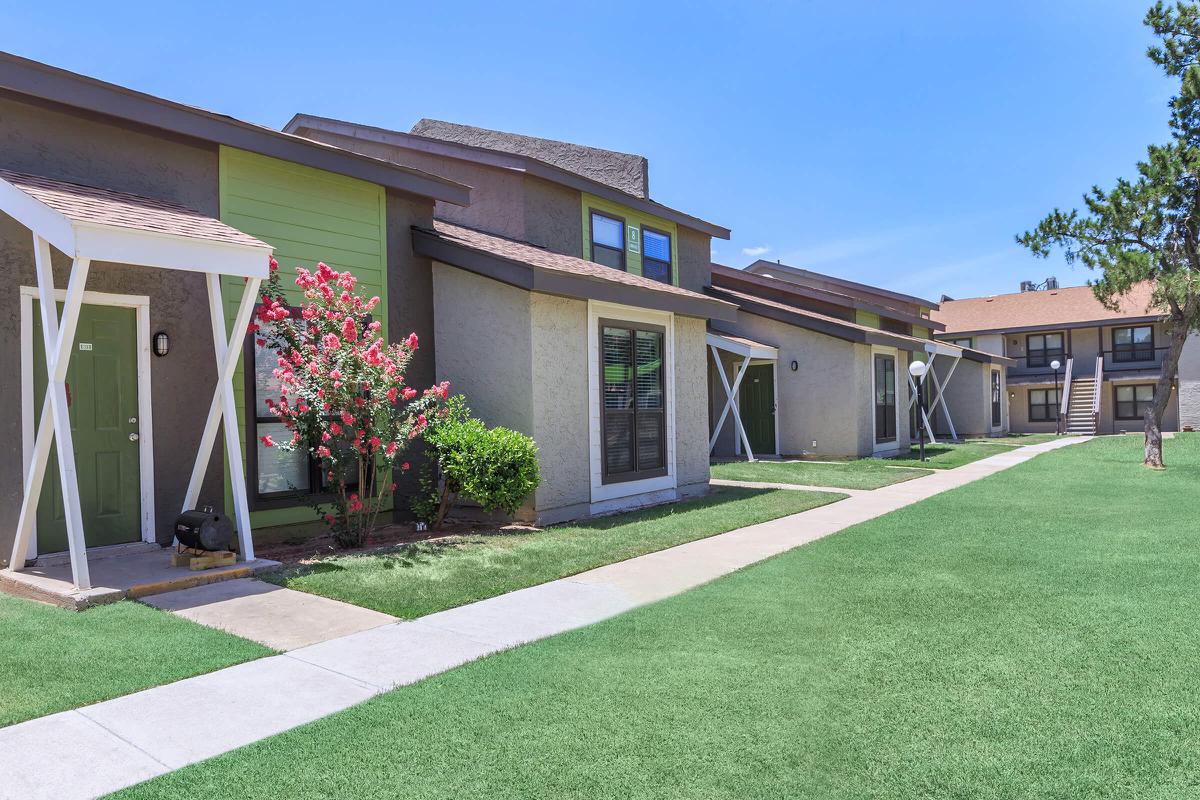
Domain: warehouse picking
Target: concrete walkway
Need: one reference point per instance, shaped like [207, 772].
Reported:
[100, 748]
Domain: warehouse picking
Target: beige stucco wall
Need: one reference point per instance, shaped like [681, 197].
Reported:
[691, 402]
[827, 399]
[483, 345]
[967, 395]
[695, 259]
[553, 216]
[559, 391]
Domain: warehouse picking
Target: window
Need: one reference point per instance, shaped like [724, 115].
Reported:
[885, 398]
[996, 421]
[1132, 401]
[608, 240]
[1043, 404]
[656, 255]
[965, 341]
[276, 478]
[1042, 348]
[1133, 344]
[632, 402]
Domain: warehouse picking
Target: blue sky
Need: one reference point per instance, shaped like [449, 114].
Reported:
[901, 144]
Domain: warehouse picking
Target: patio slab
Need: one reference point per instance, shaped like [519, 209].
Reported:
[139, 571]
[282, 619]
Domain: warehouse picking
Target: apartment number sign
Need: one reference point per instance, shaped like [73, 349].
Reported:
[635, 244]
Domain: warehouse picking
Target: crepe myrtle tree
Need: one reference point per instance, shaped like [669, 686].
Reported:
[1148, 228]
[342, 394]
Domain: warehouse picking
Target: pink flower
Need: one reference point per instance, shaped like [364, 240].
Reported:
[336, 374]
[349, 330]
[268, 441]
[409, 393]
[335, 429]
[404, 467]
[272, 264]
[374, 442]
[331, 342]
[347, 418]
[421, 421]
[392, 394]
[391, 449]
[323, 452]
[325, 437]
[411, 341]
[329, 517]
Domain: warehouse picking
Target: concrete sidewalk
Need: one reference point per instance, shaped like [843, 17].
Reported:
[100, 748]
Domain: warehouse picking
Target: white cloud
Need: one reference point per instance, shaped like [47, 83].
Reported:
[755, 252]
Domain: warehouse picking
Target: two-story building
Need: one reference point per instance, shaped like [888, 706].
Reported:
[1078, 367]
[816, 364]
[567, 305]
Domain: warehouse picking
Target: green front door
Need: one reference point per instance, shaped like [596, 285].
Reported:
[102, 396]
[756, 404]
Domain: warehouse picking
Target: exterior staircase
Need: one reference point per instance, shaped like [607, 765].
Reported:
[1080, 419]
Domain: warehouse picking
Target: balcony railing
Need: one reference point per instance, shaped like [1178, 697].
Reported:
[1142, 358]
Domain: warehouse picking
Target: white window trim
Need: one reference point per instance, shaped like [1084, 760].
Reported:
[141, 305]
[885, 448]
[601, 491]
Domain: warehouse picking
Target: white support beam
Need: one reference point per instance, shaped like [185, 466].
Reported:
[55, 421]
[912, 399]
[939, 397]
[224, 409]
[730, 405]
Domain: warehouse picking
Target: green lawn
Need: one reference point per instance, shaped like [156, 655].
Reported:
[1029, 635]
[862, 474]
[419, 579]
[1018, 439]
[54, 659]
[948, 455]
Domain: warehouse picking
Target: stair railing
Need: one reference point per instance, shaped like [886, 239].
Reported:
[1064, 406]
[1096, 393]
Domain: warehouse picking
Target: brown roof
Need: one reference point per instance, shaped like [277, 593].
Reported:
[556, 264]
[745, 299]
[1072, 306]
[90, 205]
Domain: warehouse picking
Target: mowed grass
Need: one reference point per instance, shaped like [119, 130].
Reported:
[948, 455]
[54, 659]
[860, 474]
[1032, 634]
[418, 579]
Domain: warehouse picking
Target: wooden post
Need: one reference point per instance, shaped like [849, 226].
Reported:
[55, 422]
[223, 409]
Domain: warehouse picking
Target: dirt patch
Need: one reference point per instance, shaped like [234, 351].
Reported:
[306, 546]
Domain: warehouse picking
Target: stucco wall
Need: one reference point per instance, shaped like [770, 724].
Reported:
[691, 402]
[559, 392]
[1189, 383]
[967, 395]
[87, 150]
[695, 260]
[827, 399]
[482, 341]
[552, 216]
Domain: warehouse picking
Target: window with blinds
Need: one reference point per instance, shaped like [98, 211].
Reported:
[656, 255]
[632, 402]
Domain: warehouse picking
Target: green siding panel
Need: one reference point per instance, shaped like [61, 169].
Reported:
[868, 319]
[634, 220]
[307, 215]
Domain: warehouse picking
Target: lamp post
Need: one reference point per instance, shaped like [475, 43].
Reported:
[1054, 365]
[917, 369]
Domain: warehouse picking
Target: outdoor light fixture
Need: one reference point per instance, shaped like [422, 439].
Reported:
[918, 369]
[795, 365]
[162, 343]
[1054, 365]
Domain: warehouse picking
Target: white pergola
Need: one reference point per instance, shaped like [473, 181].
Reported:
[751, 353]
[98, 226]
[933, 350]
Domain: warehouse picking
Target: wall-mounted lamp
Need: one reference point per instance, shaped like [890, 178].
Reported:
[795, 366]
[161, 343]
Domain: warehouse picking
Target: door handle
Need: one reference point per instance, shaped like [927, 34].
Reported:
[133, 437]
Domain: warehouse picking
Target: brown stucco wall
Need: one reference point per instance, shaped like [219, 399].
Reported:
[66, 146]
[695, 260]
[553, 216]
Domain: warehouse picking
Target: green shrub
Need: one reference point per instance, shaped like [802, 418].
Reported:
[495, 467]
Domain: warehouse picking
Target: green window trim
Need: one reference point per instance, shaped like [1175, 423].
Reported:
[635, 224]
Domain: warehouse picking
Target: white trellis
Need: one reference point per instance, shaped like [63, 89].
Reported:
[95, 226]
[935, 349]
[750, 353]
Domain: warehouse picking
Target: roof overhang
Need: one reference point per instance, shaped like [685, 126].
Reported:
[534, 278]
[499, 160]
[131, 244]
[761, 266]
[34, 79]
[739, 345]
[1053, 326]
[829, 327]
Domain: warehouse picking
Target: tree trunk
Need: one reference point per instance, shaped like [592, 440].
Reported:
[1178, 333]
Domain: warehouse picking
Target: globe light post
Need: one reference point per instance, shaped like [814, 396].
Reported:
[1054, 365]
[918, 369]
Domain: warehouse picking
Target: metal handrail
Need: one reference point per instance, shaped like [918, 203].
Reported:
[1096, 392]
[1065, 405]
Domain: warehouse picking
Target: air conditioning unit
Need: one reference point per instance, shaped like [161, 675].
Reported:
[1028, 286]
